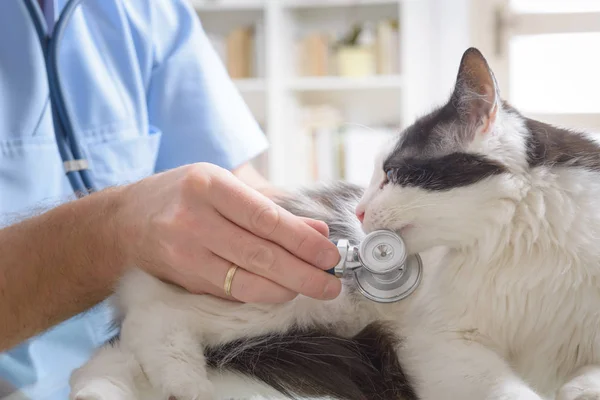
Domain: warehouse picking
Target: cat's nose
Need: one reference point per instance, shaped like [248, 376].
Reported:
[360, 215]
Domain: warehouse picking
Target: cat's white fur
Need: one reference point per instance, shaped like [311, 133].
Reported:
[508, 308]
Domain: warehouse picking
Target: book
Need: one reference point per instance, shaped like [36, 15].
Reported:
[240, 52]
[314, 55]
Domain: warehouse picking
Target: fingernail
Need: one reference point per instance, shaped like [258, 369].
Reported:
[328, 258]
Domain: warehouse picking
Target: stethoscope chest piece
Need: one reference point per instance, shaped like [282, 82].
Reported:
[392, 286]
[381, 268]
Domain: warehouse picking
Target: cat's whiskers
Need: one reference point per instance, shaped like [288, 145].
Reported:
[416, 204]
[355, 124]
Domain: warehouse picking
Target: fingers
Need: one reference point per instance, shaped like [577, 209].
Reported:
[319, 226]
[267, 260]
[262, 217]
[245, 286]
[251, 288]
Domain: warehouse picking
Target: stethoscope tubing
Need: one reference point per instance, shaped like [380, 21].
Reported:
[68, 145]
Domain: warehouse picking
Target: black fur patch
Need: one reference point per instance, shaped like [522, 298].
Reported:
[318, 363]
[550, 145]
[442, 173]
[422, 137]
[429, 153]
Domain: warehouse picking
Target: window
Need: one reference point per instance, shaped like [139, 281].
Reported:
[548, 57]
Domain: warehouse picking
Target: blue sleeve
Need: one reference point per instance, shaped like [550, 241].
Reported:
[191, 98]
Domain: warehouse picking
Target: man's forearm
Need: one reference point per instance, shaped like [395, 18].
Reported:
[56, 265]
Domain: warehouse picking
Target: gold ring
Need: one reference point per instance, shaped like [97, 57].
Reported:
[229, 279]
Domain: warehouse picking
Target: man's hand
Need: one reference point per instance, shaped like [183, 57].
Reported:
[186, 226]
[189, 225]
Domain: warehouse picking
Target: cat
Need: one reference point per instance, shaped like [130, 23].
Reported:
[505, 213]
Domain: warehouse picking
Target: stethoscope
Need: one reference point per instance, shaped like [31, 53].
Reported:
[76, 166]
[380, 266]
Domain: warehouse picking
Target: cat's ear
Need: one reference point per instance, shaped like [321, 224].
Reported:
[476, 95]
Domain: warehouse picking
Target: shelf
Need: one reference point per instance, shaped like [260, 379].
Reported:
[329, 83]
[251, 85]
[337, 3]
[227, 5]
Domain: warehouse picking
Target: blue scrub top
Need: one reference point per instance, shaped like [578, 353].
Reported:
[145, 92]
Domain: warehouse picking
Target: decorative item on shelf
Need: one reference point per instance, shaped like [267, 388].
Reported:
[368, 49]
[355, 54]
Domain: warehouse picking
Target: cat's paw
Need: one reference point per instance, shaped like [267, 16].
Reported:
[200, 389]
[110, 374]
[169, 352]
[179, 379]
[101, 389]
[574, 393]
[584, 386]
[177, 369]
[589, 394]
[515, 396]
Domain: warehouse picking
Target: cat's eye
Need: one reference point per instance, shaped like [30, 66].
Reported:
[389, 175]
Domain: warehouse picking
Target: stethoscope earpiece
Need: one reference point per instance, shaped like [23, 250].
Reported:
[380, 266]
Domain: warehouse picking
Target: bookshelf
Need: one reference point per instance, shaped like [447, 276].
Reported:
[326, 94]
[391, 82]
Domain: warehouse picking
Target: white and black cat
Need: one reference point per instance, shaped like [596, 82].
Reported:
[505, 212]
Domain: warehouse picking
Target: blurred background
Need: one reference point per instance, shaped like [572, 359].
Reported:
[330, 81]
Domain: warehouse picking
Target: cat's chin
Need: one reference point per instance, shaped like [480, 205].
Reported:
[415, 240]
[403, 231]
[413, 244]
